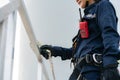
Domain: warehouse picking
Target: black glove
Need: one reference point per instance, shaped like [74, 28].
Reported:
[110, 72]
[44, 50]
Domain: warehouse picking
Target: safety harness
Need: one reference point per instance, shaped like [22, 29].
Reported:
[90, 59]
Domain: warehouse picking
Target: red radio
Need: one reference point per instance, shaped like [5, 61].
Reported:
[84, 29]
[83, 25]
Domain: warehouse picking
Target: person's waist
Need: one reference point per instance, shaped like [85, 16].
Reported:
[90, 59]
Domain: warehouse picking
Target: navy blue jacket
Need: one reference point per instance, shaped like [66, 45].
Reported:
[103, 38]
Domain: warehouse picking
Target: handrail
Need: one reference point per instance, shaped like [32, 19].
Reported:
[19, 4]
[30, 33]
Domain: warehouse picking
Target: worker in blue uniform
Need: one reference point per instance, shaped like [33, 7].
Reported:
[95, 48]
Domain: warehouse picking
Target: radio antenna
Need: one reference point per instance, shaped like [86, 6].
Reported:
[80, 15]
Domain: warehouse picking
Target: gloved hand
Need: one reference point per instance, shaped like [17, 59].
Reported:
[110, 72]
[44, 50]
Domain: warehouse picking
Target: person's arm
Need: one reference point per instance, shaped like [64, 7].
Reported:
[107, 22]
[64, 53]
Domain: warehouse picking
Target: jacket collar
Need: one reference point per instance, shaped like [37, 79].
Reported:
[89, 7]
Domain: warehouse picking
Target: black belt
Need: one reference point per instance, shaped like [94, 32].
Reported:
[90, 59]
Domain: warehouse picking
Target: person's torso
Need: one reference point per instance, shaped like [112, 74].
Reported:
[94, 41]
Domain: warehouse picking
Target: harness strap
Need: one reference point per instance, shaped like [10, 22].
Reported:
[90, 59]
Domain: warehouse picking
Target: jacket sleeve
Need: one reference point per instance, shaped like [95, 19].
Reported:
[64, 53]
[107, 22]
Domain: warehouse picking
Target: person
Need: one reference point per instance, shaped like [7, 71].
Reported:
[95, 49]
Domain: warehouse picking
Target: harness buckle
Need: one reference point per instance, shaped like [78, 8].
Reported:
[94, 58]
[90, 59]
[97, 58]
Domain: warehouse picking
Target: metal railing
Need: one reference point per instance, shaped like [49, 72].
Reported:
[19, 5]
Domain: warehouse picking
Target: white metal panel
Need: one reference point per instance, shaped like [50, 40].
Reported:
[15, 75]
[3, 33]
[27, 60]
[7, 32]
[7, 48]
[9, 51]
